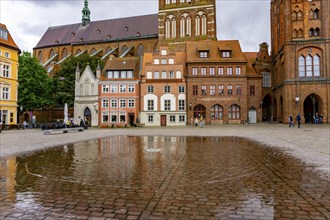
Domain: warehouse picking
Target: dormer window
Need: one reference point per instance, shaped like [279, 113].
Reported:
[226, 54]
[73, 34]
[203, 54]
[98, 31]
[109, 36]
[3, 34]
[81, 39]
[126, 28]
[138, 34]
[56, 42]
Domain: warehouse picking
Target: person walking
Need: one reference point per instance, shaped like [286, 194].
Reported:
[298, 118]
[291, 121]
[196, 122]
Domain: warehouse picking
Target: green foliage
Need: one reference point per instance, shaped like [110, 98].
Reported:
[35, 86]
[64, 80]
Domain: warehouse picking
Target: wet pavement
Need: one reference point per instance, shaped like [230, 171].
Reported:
[162, 177]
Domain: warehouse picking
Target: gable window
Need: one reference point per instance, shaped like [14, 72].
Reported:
[266, 79]
[7, 55]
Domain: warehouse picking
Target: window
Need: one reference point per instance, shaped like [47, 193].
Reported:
[105, 103]
[216, 112]
[164, 75]
[181, 104]
[116, 74]
[114, 103]
[171, 61]
[110, 74]
[114, 88]
[194, 71]
[212, 71]
[221, 90]
[309, 66]
[195, 90]
[266, 80]
[122, 88]
[105, 116]
[226, 54]
[129, 74]
[123, 74]
[182, 118]
[238, 90]
[7, 55]
[150, 105]
[163, 61]
[131, 88]
[181, 89]
[156, 61]
[3, 34]
[203, 54]
[252, 90]
[156, 75]
[203, 91]
[150, 118]
[105, 89]
[203, 71]
[150, 89]
[171, 75]
[113, 117]
[163, 52]
[229, 71]
[172, 118]
[5, 71]
[122, 103]
[167, 89]
[234, 112]
[167, 105]
[230, 90]
[5, 93]
[149, 75]
[212, 90]
[131, 103]
[316, 14]
[238, 70]
[220, 71]
[122, 117]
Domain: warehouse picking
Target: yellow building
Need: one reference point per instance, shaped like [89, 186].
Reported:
[9, 53]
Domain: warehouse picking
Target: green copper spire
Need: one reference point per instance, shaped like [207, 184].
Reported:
[86, 14]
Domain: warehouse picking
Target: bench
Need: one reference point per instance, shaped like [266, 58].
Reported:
[63, 130]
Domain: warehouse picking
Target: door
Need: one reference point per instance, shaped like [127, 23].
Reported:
[163, 120]
[253, 116]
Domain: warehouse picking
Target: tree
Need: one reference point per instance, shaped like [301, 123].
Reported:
[35, 86]
[64, 80]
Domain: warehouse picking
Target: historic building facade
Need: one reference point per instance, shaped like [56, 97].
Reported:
[9, 53]
[300, 31]
[86, 102]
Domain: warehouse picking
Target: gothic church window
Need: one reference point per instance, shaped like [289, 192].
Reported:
[185, 25]
[51, 53]
[40, 57]
[299, 16]
[200, 24]
[170, 27]
[300, 33]
[64, 53]
[309, 66]
[140, 50]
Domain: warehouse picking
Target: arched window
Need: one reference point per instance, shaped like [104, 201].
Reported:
[197, 25]
[216, 112]
[64, 53]
[108, 50]
[40, 57]
[300, 33]
[123, 49]
[316, 14]
[200, 23]
[311, 32]
[316, 65]
[185, 25]
[199, 111]
[309, 66]
[170, 27]
[317, 32]
[302, 71]
[294, 16]
[204, 28]
[51, 53]
[93, 51]
[299, 16]
[140, 50]
[234, 112]
[182, 27]
[294, 33]
[78, 51]
[156, 61]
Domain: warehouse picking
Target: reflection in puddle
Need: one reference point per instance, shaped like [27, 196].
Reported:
[161, 178]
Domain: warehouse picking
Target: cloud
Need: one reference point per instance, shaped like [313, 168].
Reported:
[246, 21]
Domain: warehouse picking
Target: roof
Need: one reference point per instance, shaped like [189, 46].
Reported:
[10, 41]
[251, 58]
[99, 31]
[214, 51]
[123, 63]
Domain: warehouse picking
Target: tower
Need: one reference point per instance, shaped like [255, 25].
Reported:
[86, 14]
[300, 31]
[182, 20]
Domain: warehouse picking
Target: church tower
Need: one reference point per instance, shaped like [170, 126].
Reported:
[86, 14]
[182, 20]
[300, 38]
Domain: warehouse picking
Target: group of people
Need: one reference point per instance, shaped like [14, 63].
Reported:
[196, 121]
[298, 119]
[318, 119]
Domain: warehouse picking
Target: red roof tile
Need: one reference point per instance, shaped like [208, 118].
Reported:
[10, 41]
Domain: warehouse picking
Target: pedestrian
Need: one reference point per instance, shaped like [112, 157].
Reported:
[298, 118]
[316, 118]
[291, 121]
[196, 122]
[24, 124]
[82, 123]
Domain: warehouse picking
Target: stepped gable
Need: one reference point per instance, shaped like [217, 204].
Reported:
[100, 31]
[10, 41]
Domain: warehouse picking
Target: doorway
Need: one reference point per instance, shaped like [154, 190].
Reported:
[163, 120]
[88, 116]
[131, 118]
[311, 107]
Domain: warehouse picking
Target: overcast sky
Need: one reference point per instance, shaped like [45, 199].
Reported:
[27, 20]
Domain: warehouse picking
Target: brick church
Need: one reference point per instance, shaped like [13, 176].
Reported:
[169, 68]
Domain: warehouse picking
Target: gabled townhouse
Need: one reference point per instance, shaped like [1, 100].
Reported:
[9, 53]
[119, 92]
[86, 96]
[217, 82]
[163, 88]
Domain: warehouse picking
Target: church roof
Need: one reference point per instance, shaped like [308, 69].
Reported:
[101, 31]
[9, 41]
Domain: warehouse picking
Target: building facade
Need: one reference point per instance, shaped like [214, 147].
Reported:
[9, 53]
[300, 31]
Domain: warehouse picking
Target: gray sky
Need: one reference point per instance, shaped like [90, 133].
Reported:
[27, 20]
